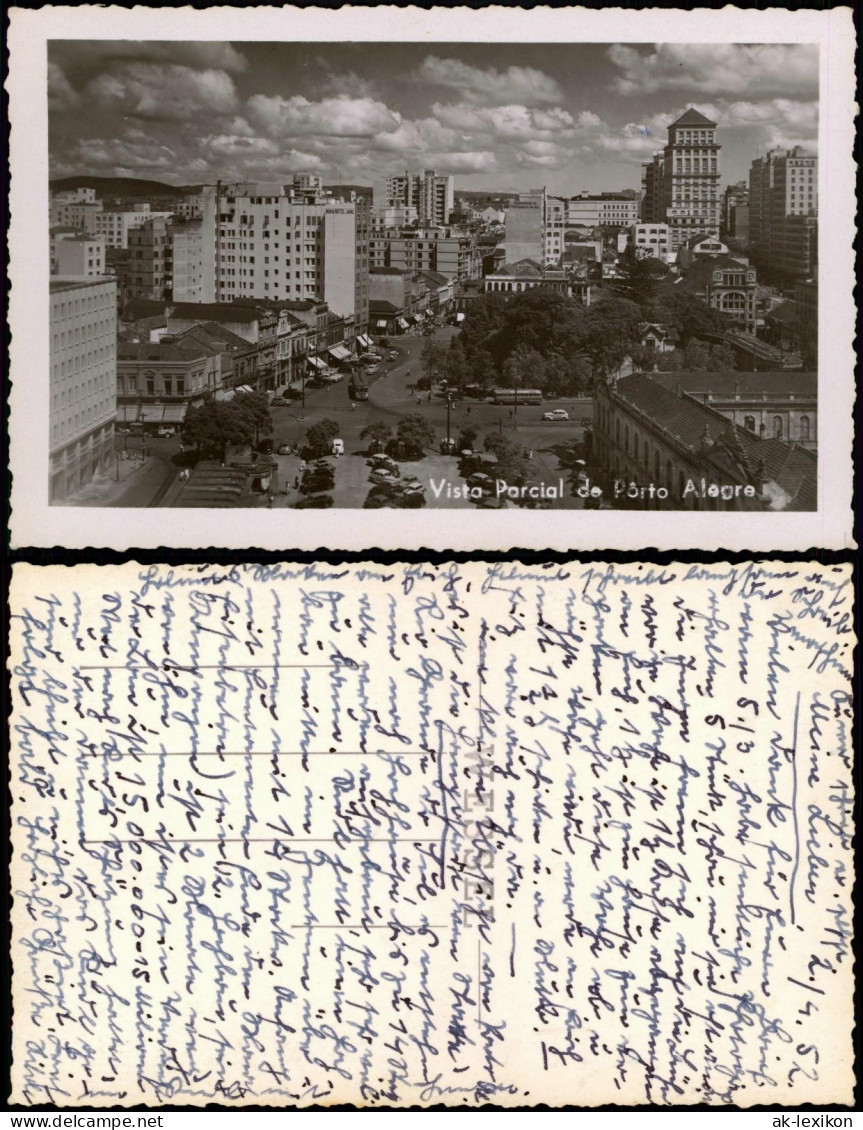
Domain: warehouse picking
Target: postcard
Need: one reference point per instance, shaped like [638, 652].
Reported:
[455, 834]
[591, 267]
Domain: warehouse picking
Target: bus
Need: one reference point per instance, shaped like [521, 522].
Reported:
[358, 388]
[517, 396]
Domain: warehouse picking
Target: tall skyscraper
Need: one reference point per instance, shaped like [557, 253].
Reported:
[690, 200]
[783, 212]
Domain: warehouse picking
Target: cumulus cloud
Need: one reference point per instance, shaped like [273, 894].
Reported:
[61, 94]
[341, 117]
[419, 136]
[716, 68]
[98, 55]
[507, 121]
[107, 152]
[488, 86]
[164, 92]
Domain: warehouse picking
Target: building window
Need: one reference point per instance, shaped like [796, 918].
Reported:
[749, 423]
[804, 428]
[777, 427]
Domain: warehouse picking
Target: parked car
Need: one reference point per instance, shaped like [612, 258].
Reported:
[556, 414]
[285, 449]
[373, 368]
[315, 502]
[383, 477]
[279, 402]
[165, 432]
[392, 355]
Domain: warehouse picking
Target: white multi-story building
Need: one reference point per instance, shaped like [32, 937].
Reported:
[525, 228]
[432, 194]
[72, 205]
[268, 241]
[83, 380]
[77, 253]
[114, 226]
[394, 217]
[783, 211]
[652, 239]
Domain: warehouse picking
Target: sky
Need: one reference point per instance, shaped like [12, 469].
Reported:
[572, 117]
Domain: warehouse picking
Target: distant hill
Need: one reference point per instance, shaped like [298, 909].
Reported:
[344, 189]
[107, 187]
[122, 186]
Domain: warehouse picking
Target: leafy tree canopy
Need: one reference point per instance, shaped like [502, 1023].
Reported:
[415, 432]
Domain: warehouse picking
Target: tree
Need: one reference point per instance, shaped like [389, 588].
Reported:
[320, 435]
[482, 369]
[255, 407]
[638, 278]
[432, 357]
[415, 433]
[455, 364]
[686, 313]
[467, 438]
[513, 466]
[378, 432]
[215, 425]
[524, 368]
[612, 331]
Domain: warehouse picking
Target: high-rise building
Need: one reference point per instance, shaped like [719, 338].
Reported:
[525, 227]
[690, 202]
[651, 187]
[262, 240]
[432, 194]
[83, 375]
[783, 212]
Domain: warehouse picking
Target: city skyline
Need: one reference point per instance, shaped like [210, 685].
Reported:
[574, 117]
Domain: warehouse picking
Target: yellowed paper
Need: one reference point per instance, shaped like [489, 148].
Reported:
[418, 834]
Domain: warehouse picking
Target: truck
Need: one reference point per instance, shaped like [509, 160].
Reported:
[358, 387]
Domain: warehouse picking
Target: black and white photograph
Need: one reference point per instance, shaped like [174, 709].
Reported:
[379, 275]
[494, 268]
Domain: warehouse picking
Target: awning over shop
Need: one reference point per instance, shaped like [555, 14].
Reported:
[339, 353]
[402, 324]
[364, 341]
[381, 324]
[316, 363]
[151, 413]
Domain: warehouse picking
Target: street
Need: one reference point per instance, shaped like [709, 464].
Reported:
[390, 398]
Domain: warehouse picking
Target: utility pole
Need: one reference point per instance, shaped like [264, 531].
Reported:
[448, 407]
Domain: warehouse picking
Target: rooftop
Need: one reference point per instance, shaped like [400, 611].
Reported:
[75, 282]
[159, 351]
[794, 383]
[693, 117]
[703, 430]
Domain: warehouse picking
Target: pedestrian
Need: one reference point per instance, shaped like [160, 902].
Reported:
[296, 482]
[530, 453]
[353, 407]
[468, 409]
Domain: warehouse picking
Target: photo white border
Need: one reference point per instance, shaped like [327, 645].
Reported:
[35, 523]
